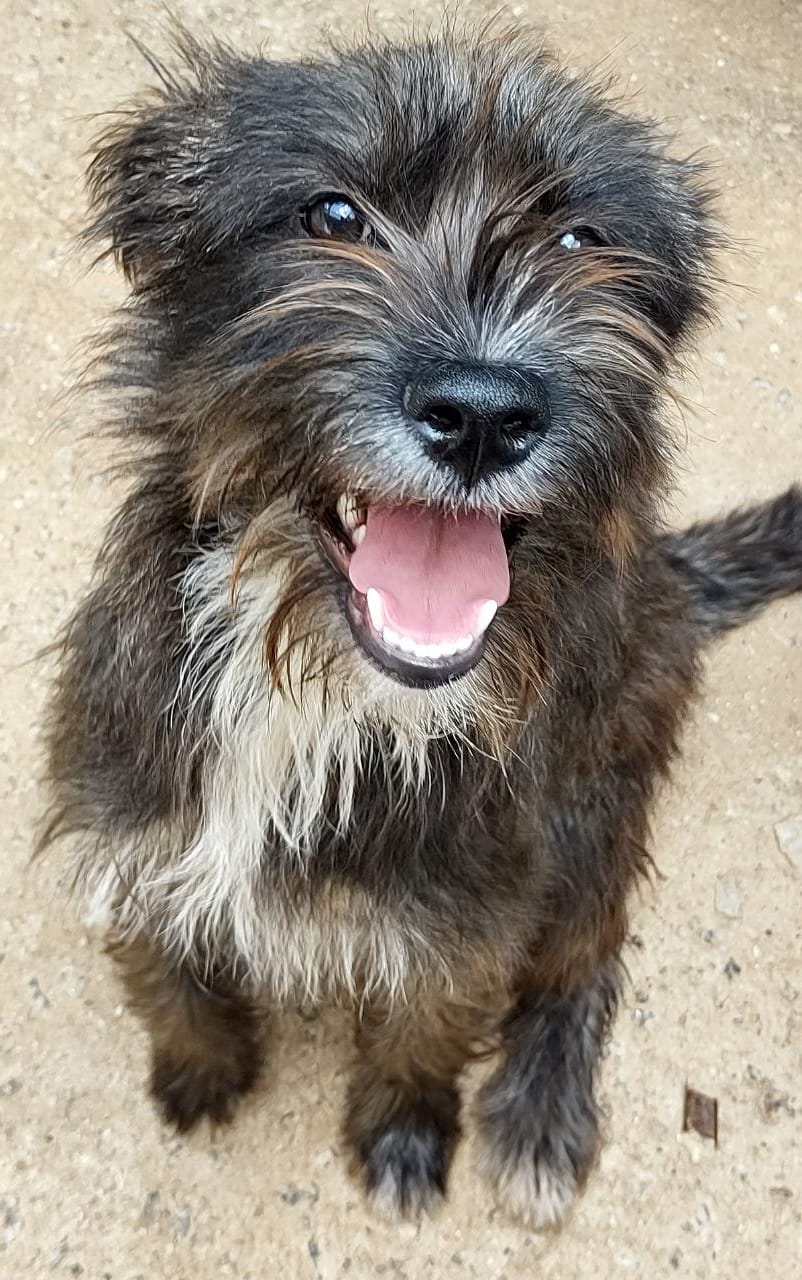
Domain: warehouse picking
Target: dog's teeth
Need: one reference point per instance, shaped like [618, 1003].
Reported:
[485, 616]
[413, 648]
[358, 534]
[375, 608]
[349, 513]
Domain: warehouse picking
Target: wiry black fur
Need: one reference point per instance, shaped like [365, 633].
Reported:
[256, 375]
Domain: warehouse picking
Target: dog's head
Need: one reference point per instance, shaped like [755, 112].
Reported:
[403, 318]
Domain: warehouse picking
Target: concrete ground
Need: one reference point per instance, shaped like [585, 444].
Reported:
[90, 1185]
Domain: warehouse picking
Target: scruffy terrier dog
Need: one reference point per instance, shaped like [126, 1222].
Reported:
[387, 649]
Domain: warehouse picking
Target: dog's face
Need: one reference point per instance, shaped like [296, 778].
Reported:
[404, 317]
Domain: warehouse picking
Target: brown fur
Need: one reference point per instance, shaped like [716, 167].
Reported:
[404, 1092]
[205, 1035]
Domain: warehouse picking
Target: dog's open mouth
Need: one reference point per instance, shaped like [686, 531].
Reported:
[424, 584]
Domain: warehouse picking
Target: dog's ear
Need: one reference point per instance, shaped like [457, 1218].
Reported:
[682, 234]
[161, 164]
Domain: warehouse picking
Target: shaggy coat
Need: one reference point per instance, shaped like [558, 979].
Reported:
[271, 803]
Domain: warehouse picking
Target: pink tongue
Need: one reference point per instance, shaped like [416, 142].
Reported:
[432, 570]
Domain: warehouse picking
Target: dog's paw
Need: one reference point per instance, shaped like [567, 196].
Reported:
[530, 1184]
[402, 1156]
[404, 1170]
[187, 1090]
[537, 1146]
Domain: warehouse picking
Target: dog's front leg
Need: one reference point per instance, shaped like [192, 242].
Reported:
[402, 1120]
[205, 1035]
[537, 1113]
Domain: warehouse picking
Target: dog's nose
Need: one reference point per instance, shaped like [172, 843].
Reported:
[476, 418]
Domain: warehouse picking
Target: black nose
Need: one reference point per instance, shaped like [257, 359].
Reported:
[477, 418]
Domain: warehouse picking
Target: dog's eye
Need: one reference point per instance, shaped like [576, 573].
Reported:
[581, 238]
[336, 218]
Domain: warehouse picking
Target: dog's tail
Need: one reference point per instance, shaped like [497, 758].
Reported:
[733, 567]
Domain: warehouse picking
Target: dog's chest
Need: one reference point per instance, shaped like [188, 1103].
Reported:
[339, 943]
[330, 828]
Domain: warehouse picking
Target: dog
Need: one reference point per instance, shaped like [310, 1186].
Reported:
[388, 648]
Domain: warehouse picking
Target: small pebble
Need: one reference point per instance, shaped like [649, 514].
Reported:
[789, 838]
[728, 899]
